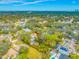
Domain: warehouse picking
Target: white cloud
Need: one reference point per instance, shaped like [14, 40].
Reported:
[8, 1]
[34, 2]
[27, 3]
[24, 2]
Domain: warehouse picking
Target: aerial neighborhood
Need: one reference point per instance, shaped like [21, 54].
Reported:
[32, 36]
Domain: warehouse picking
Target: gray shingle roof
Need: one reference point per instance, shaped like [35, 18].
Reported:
[63, 57]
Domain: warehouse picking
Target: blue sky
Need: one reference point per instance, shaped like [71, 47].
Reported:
[39, 5]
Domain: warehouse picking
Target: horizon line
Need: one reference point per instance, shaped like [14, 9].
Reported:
[40, 10]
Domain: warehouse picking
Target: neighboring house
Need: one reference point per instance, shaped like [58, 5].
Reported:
[22, 23]
[27, 30]
[11, 52]
[63, 57]
[5, 36]
[54, 54]
[33, 36]
[63, 50]
[53, 57]
[4, 27]
[70, 45]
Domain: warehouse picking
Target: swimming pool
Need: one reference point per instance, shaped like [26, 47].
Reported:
[52, 57]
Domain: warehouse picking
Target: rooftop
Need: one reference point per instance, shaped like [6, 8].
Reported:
[63, 56]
